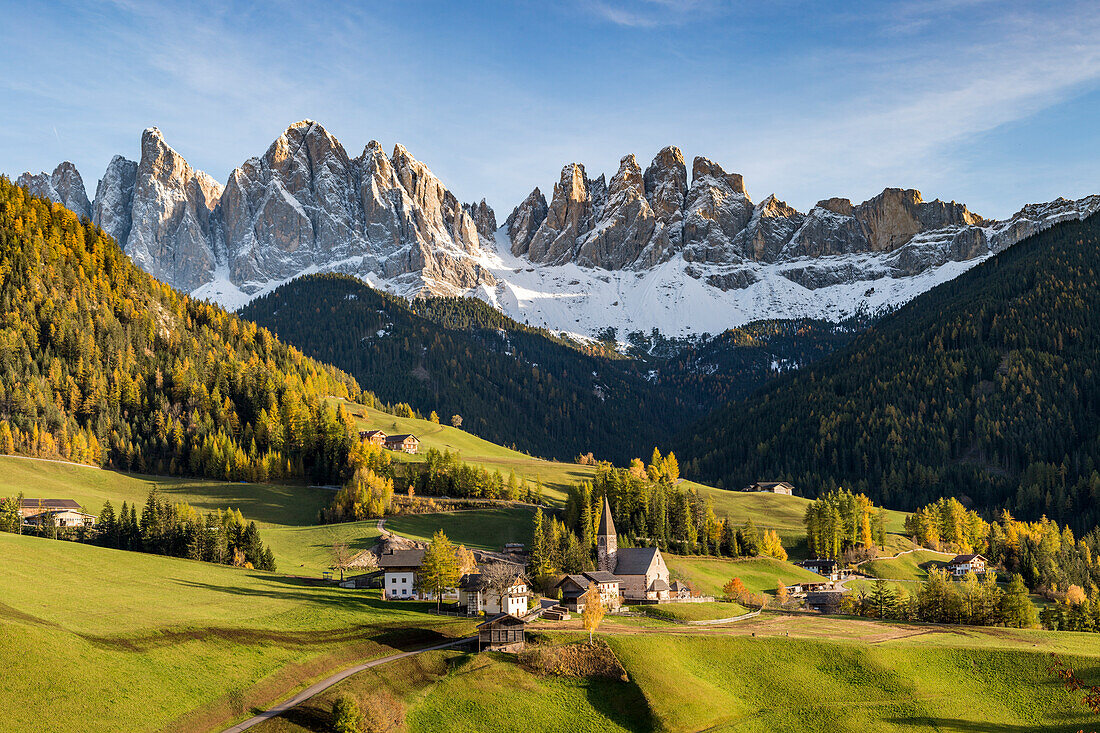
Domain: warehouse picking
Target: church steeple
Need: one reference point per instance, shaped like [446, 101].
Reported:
[607, 543]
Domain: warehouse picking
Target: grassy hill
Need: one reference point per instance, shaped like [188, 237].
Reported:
[93, 639]
[911, 566]
[759, 574]
[745, 683]
[480, 529]
[555, 476]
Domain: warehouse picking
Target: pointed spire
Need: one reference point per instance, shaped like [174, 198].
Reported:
[607, 524]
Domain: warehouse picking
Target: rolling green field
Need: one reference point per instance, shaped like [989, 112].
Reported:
[912, 566]
[745, 683]
[308, 550]
[93, 639]
[693, 611]
[289, 504]
[759, 574]
[556, 477]
[480, 529]
[449, 691]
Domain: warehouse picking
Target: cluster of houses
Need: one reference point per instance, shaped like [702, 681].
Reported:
[63, 513]
[635, 574]
[405, 442]
[771, 487]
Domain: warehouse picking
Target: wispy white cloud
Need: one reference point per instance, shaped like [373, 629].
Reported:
[651, 13]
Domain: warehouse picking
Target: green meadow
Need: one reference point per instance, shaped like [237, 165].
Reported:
[911, 566]
[93, 639]
[759, 574]
[480, 529]
[746, 683]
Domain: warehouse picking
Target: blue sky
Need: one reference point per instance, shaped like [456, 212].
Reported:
[989, 103]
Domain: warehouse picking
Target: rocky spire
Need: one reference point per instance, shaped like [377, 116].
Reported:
[64, 186]
[525, 220]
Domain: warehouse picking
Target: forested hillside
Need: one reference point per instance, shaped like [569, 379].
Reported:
[986, 388]
[512, 384]
[102, 364]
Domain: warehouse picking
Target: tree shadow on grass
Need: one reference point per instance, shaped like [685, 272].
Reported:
[949, 725]
[622, 702]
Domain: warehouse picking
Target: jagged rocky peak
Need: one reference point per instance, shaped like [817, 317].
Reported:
[665, 189]
[64, 186]
[716, 210]
[623, 223]
[525, 220]
[894, 216]
[171, 225]
[771, 227]
[485, 219]
[568, 217]
[114, 199]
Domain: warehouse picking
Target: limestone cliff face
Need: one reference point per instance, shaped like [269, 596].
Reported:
[170, 216]
[304, 205]
[646, 219]
[64, 186]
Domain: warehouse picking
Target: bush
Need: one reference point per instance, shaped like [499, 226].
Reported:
[346, 717]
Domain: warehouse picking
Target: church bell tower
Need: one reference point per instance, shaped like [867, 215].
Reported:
[607, 544]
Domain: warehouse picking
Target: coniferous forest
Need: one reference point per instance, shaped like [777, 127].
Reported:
[511, 384]
[985, 388]
[102, 364]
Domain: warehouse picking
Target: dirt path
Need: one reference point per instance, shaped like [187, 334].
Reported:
[328, 682]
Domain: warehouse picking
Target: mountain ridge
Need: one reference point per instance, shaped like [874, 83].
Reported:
[646, 249]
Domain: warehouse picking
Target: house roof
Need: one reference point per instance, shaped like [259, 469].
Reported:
[963, 559]
[401, 559]
[635, 560]
[677, 585]
[576, 579]
[49, 504]
[607, 523]
[477, 581]
[505, 619]
[401, 438]
[371, 433]
[601, 576]
[658, 584]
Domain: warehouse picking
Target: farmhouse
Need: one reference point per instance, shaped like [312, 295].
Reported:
[828, 568]
[574, 586]
[475, 596]
[501, 633]
[399, 568]
[963, 564]
[377, 437]
[772, 487]
[63, 513]
[406, 443]
[642, 573]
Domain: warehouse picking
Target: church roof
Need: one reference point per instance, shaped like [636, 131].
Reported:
[607, 524]
[634, 560]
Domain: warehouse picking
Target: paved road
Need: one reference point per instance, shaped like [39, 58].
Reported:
[329, 682]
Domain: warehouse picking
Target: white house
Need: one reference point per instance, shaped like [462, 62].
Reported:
[476, 597]
[63, 513]
[963, 564]
[399, 574]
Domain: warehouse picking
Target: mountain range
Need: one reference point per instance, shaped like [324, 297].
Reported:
[646, 250]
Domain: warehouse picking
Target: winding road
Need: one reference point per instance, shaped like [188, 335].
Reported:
[328, 682]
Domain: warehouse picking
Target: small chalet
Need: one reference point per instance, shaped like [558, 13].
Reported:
[406, 443]
[772, 487]
[574, 586]
[514, 548]
[824, 601]
[475, 596]
[642, 573]
[827, 568]
[501, 633]
[63, 512]
[377, 437]
[963, 564]
[399, 568]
